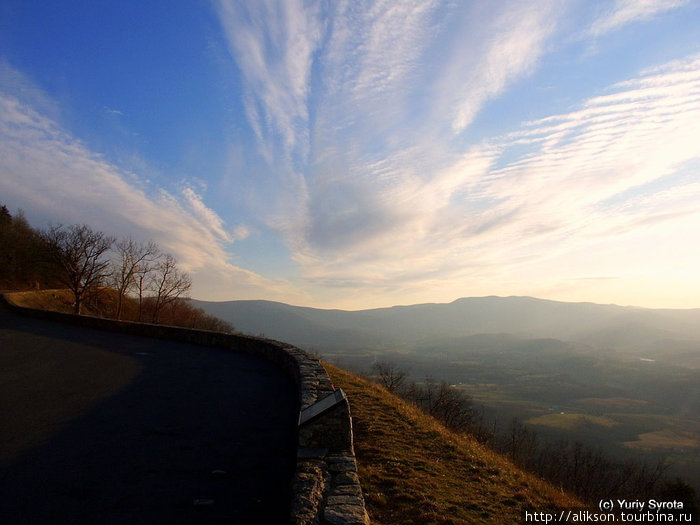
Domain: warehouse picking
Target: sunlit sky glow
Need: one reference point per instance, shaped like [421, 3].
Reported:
[356, 154]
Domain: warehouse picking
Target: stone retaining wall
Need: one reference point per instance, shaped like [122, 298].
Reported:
[326, 488]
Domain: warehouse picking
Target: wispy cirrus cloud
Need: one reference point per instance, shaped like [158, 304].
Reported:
[641, 132]
[628, 11]
[622, 166]
[55, 178]
[389, 88]
[399, 146]
[516, 40]
[361, 111]
[273, 43]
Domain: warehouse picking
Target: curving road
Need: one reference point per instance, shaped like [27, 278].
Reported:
[98, 427]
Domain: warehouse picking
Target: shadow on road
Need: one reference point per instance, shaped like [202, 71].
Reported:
[185, 434]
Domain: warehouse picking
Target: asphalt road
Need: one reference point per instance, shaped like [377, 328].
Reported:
[122, 429]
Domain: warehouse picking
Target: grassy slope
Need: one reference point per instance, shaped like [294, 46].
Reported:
[56, 300]
[62, 300]
[414, 471]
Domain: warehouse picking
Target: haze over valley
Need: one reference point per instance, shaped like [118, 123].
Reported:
[624, 379]
[627, 329]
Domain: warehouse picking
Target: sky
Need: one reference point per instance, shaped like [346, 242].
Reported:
[359, 154]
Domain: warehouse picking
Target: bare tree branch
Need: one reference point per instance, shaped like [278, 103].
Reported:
[80, 254]
[133, 260]
[390, 376]
[169, 283]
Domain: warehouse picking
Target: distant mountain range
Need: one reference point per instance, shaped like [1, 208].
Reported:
[594, 325]
[603, 375]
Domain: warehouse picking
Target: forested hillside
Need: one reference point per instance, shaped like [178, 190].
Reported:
[77, 269]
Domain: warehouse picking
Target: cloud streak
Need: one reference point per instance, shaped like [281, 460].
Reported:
[56, 178]
[391, 197]
[273, 43]
[520, 33]
[382, 112]
[390, 158]
[627, 11]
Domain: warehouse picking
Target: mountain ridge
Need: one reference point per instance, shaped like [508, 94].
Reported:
[598, 325]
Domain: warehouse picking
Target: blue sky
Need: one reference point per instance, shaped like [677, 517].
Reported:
[356, 154]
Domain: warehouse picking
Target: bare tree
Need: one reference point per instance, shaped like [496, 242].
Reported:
[142, 281]
[520, 442]
[130, 267]
[450, 406]
[169, 283]
[390, 376]
[80, 254]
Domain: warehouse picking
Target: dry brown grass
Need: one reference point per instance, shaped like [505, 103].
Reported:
[414, 471]
[104, 303]
[54, 300]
